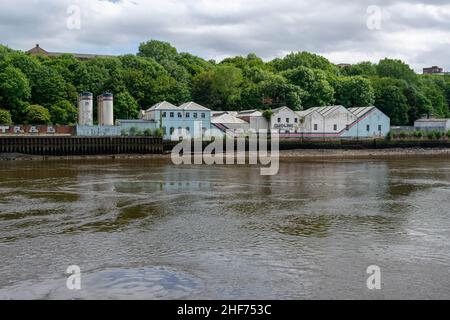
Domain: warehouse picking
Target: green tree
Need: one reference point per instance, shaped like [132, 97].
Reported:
[396, 69]
[361, 69]
[14, 92]
[125, 106]
[354, 91]
[318, 91]
[36, 114]
[157, 50]
[5, 117]
[393, 103]
[63, 113]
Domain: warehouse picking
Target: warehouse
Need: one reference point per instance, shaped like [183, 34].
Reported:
[432, 124]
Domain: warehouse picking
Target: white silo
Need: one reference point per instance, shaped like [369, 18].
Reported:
[105, 105]
[85, 109]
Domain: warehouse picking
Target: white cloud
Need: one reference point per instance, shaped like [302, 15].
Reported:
[416, 31]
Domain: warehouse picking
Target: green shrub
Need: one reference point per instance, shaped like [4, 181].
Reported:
[36, 114]
[135, 132]
[431, 135]
[159, 133]
[124, 132]
[438, 135]
[403, 134]
[390, 135]
[448, 134]
[148, 132]
[5, 117]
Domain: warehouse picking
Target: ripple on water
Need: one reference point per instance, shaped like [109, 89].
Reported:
[113, 283]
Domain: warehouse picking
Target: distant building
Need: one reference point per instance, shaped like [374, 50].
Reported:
[37, 50]
[433, 70]
[432, 124]
[344, 65]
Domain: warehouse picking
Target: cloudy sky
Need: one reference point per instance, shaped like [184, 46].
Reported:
[415, 31]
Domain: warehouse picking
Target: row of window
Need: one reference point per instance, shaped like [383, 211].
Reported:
[172, 130]
[288, 120]
[335, 127]
[180, 115]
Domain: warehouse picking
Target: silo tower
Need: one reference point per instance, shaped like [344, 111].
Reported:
[105, 106]
[85, 109]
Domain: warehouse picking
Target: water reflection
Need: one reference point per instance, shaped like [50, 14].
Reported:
[227, 231]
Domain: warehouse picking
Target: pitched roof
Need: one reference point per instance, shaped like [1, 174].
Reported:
[193, 106]
[254, 113]
[227, 118]
[359, 112]
[163, 106]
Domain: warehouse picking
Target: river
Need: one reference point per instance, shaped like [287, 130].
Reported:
[145, 229]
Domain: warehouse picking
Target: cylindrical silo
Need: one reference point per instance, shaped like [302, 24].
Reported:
[105, 106]
[85, 109]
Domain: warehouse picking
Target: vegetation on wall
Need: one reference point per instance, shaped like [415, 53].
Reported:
[44, 90]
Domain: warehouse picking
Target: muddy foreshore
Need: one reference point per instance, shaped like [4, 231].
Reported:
[284, 155]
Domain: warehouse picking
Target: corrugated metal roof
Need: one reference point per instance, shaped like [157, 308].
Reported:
[359, 112]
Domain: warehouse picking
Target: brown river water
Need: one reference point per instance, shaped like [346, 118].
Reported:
[146, 229]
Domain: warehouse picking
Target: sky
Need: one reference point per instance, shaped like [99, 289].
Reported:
[417, 32]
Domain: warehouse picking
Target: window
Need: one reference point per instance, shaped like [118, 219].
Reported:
[203, 116]
[368, 128]
[335, 127]
[188, 129]
[172, 129]
[316, 127]
[164, 130]
[188, 115]
[379, 127]
[279, 120]
[287, 120]
[172, 114]
[164, 114]
[296, 120]
[180, 115]
[195, 115]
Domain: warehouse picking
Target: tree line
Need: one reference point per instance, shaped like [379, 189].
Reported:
[43, 90]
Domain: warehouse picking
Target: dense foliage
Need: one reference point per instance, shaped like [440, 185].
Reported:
[44, 90]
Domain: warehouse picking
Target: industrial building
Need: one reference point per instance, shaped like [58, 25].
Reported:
[432, 124]
[318, 122]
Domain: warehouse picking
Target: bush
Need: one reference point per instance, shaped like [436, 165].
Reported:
[135, 132]
[148, 133]
[418, 134]
[390, 135]
[438, 135]
[448, 134]
[36, 114]
[5, 117]
[159, 133]
[403, 134]
[124, 132]
[431, 135]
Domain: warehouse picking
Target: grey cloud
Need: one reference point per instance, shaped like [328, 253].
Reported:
[215, 29]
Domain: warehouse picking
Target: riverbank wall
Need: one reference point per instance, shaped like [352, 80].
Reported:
[79, 146]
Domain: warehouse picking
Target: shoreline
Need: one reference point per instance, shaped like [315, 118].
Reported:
[310, 154]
